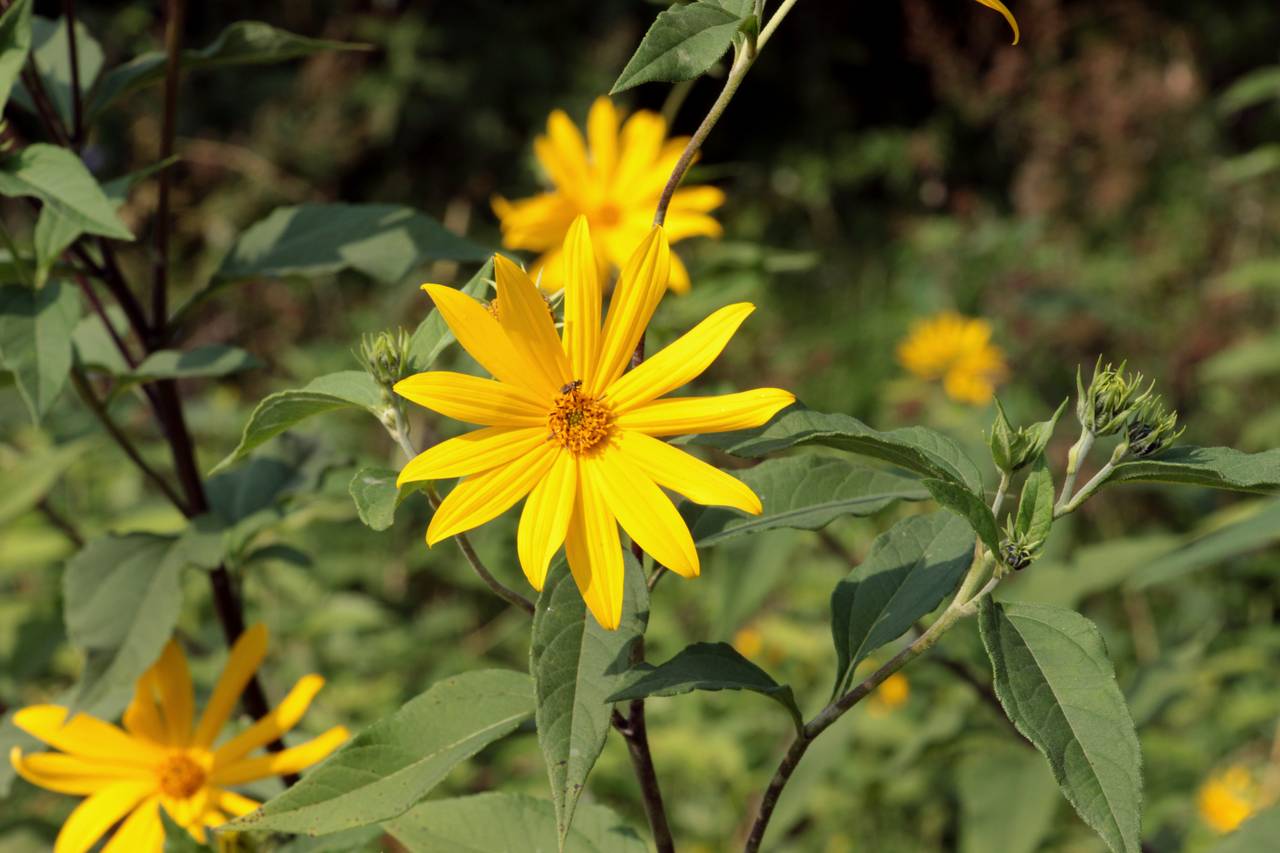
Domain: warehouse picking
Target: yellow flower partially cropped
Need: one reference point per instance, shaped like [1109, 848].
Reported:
[958, 350]
[1008, 16]
[565, 423]
[892, 694]
[164, 757]
[1229, 798]
[614, 178]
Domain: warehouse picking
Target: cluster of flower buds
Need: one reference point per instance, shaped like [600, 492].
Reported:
[1152, 427]
[1110, 400]
[386, 357]
[1017, 549]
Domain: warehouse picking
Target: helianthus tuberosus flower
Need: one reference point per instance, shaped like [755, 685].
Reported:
[1229, 798]
[164, 757]
[614, 178]
[565, 423]
[957, 350]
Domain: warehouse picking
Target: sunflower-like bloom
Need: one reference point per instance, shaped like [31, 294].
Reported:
[566, 424]
[614, 178]
[1229, 798]
[163, 757]
[957, 350]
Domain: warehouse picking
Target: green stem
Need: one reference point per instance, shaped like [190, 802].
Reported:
[1096, 482]
[1075, 458]
[1001, 490]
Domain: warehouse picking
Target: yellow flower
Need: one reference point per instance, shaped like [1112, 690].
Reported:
[892, 694]
[160, 758]
[614, 178]
[957, 350]
[564, 423]
[749, 641]
[1229, 798]
[1008, 16]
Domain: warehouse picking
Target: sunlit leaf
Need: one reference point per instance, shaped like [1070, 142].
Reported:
[683, 43]
[1215, 467]
[60, 180]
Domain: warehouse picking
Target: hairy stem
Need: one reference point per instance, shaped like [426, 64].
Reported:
[1001, 490]
[1075, 458]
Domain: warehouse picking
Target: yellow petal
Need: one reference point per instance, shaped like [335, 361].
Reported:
[473, 399]
[545, 519]
[477, 451]
[644, 511]
[582, 298]
[528, 323]
[537, 223]
[177, 696]
[483, 337]
[641, 143]
[640, 288]
[188, 812]
[292, 760]
[279, 720]
[235, 804]
[686, 415]
[142, 717]
[90, 820]
[602, 134]
[1008, 16]
[701, 198]
[594, 552]
[141, 832]
[673, 468]
[680, 362]
[483, 497]
[563, 154]
[678, 281]
[70, 774]
[681, 225]
[243, 661]
[84, 736]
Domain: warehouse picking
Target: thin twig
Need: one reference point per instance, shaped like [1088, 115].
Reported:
[77, 106]
[60, 521]
[173, 73]
[836, 547]
[49, 118]
[98, 309]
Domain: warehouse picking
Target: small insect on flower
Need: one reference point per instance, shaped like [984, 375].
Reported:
[164, 757]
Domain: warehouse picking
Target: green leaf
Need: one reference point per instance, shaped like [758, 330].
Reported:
[285, 409]
[241, 43]
[433, 334]
[15, 42]
[909, 570]
[914, 448]
[988, 780]
[500, 823]
[968, 506]
[50, 51]
[576, 664]
[1253, 531]
[36, 472]
[376, 496]
[1035, 507]
[383, 241]
[707, 666]
[35, 341]
[364, 838]
[1252, 89]
[1215, 467]
[386, 769]
[206, 361]
[121, 597]
[59, 178]
[803, 492]
[1258, 834]
[1057, 685]
[682, 44]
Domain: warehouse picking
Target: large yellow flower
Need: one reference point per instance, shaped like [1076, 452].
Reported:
[160, 758]
[957, 350]
[565, 423]
[614, 178]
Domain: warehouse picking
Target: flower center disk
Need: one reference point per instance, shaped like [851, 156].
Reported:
[577, 421]
[181, 777]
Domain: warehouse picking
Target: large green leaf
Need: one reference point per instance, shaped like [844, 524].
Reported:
[283, 410]
[987, 781]
[35, 341]
[52, 57]
[683, 43]
[914, 448]
[1057, 685]
[59, 178]
[383, 241]
[1258, 834]
[1215, 467]
[433, 333]
[1035, 506]
[386, 769]
[206, 361]
[707, 666]
[576, 664]
[241, 43]
[911, 567]
[501, 823]
[121, 597]
[15, 42]
[804, 492]
[968, 506]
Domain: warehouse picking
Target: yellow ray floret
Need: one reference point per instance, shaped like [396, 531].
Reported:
[614, 178]
[958, 350]
[163, 757]
[1008, 16]
[571, 430]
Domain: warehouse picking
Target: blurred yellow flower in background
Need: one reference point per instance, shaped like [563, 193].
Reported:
[1229, 798]
[749, 641]
[891, 695]
[614, 177]
[958, 350]
[163, 756]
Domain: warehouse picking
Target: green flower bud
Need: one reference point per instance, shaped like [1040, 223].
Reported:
[385, 356]
[1014, 449]
[1018, 550]
[1152, 427]
[1003, 440]
[1112, 396]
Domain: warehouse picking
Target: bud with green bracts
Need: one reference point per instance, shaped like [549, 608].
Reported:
[1110, 400]
[385, 356]
[1152, 427]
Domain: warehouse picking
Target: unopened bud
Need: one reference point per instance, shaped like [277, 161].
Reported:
[385, 356]
[1112, 396]
[1152, 427]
